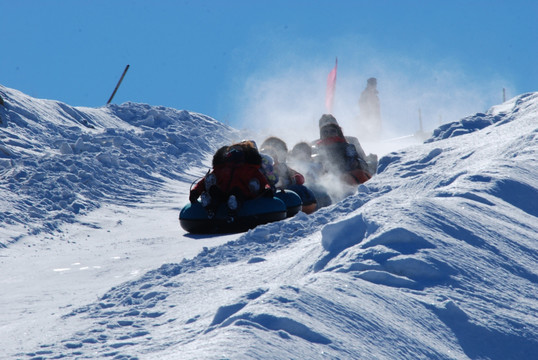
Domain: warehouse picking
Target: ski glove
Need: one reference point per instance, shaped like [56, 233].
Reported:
[193, 196]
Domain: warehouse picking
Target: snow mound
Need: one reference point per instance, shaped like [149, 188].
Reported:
[58, 161]
[522, 106]
[435, 257]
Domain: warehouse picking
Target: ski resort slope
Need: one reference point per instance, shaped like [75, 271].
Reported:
[433, 258]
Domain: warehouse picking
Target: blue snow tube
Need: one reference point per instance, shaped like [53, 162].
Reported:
[292, 200]
[193, 217]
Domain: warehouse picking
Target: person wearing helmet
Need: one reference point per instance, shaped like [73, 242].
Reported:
[337, 155]
[300, 157]
[288, 178]
[235, 177]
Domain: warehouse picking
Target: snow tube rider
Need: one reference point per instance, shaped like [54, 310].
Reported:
[300, 157]
[235, 177]
[339, 156]
[287, 178]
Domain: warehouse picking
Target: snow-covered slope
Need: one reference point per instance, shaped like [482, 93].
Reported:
[57, 161]
[434, 258]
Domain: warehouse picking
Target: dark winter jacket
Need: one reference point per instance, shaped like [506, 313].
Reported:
[337, 155]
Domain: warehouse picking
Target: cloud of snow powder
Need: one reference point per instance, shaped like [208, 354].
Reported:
[286, 98]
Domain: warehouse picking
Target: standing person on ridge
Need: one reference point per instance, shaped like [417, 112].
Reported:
[370, 110]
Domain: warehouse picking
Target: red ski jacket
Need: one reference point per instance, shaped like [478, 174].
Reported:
[233, 178]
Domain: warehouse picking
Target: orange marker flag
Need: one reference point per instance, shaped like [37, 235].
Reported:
[331, 84]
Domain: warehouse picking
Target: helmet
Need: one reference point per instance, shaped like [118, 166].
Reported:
[276, 148]
[301, 151]
[249, 142]
[330, 130]
[327, 119]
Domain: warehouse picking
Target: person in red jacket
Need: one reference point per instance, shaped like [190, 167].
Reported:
[234, 178]
[339, 156]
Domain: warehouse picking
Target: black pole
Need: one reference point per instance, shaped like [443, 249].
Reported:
[117, 86]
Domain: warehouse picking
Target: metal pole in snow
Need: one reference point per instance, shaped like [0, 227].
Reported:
[118, 85]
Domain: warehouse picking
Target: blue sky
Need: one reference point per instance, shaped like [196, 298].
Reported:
[257, 62]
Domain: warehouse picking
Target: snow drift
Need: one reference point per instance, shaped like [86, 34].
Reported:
[434, 258]
[57, 161]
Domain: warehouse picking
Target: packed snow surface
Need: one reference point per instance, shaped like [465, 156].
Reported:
[434, 258]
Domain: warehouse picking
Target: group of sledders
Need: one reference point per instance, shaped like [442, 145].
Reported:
[248, 186]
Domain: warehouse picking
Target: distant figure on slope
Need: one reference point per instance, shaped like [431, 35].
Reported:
[337, 155]
[370, 111]
[288, 178]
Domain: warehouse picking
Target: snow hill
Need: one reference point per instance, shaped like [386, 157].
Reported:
[434, 258]
[57, 161]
